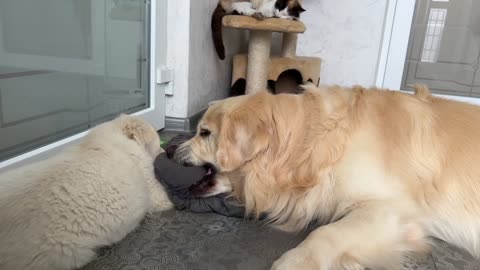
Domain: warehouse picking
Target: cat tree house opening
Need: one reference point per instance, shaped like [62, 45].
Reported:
[288, 82]
[279, 69]
[256, 66]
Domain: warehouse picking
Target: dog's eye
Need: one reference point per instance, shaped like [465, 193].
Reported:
[204, 132]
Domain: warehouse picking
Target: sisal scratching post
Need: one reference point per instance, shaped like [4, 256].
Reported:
[258, 61]
[289, 45]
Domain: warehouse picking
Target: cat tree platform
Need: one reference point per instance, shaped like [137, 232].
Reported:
[257, 67]
[270, 24]
[308, 67]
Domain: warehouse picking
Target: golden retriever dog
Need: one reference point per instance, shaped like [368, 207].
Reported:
[55, 213]
[383, 170]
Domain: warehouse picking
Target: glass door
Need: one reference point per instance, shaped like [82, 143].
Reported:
[441, 44]
[67, 65]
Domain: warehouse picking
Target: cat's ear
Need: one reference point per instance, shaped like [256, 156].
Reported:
[300, 9]
[297, 7]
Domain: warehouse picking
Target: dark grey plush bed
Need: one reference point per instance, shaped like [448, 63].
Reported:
[183, 240]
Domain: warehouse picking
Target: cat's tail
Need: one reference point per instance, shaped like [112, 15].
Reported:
[217, 34]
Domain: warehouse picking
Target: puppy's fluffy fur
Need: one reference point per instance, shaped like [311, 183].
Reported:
[55, 213]
[383, 169]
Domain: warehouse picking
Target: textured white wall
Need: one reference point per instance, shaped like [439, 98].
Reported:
[199, 75]
[209, 77]
[347, 35]
[178, 36]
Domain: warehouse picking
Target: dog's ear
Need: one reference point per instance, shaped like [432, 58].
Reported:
[132, 128]
[243, 134]
[140, 131]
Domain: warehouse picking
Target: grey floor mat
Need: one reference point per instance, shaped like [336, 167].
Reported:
[447, 257]
[183, 240]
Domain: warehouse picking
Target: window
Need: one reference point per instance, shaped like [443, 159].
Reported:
[433, 35]
[67, 65]
[433, 42]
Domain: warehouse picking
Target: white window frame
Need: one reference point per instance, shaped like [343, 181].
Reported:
[398, 24]
[155, 114]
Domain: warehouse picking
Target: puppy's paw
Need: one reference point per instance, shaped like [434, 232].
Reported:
[160, 201]
[161, 205]
[296, 259]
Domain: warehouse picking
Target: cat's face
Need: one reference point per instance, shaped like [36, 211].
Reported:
[288, 9]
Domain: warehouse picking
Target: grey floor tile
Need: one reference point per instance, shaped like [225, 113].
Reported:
[420, 262]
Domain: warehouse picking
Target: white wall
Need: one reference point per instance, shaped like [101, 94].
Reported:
[178, 45]
[209, 77]
[199, 75]
[346, 34]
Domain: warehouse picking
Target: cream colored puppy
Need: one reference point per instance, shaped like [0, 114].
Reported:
[55, 213]
[383, 169]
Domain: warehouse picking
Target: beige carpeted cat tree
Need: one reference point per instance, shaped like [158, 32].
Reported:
[258, 66]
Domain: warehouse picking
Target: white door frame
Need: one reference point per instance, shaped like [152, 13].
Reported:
[155, 114]
[398, 24]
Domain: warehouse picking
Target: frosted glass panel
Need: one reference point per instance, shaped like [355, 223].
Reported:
[66, 65]
[64, 31]
[444, 47]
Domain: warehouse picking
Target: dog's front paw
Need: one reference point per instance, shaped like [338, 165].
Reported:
[296, 259]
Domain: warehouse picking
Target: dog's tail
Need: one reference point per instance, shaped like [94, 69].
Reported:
[217, 34]
[421, 91]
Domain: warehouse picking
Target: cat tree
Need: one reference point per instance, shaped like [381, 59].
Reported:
[258, 66]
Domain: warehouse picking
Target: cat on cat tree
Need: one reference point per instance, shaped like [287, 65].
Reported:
[260, 9]
[258, 70]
